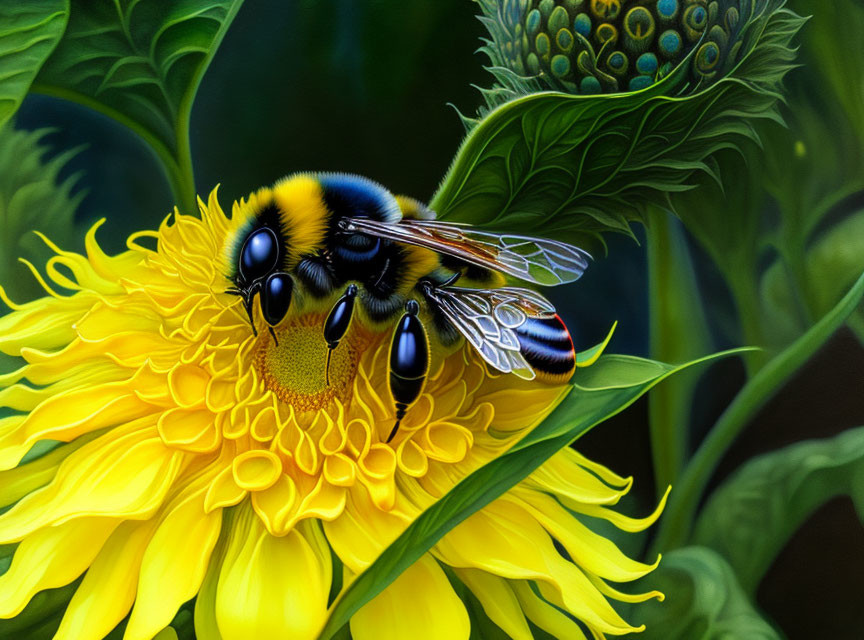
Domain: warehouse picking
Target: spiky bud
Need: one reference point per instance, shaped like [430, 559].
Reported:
[609, 46]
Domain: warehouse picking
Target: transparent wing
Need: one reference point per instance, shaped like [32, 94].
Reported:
[545, 262]
[488, 318]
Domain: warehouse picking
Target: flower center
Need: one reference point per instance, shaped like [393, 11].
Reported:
[296, 369]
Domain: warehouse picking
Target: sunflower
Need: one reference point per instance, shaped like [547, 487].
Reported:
[195, 459]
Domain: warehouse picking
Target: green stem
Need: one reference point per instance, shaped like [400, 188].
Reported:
[680, 513]
[181, 177]
[678, 331]
[177, 167]
[748, 303]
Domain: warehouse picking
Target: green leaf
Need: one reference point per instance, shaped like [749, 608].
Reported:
[834, 259]
[676, 525]
[609, 386]
[575, 166]
[749, 519]
[678, 331]
[33, 198]
[29, 31]
[814, 168]
[703, 601]
[833, 52]
[140, 62]
[725, 215]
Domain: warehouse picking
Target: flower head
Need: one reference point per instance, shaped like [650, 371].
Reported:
[200, 460]
[611, 46]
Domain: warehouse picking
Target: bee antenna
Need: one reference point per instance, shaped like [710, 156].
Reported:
[273, 333]
[327, 369]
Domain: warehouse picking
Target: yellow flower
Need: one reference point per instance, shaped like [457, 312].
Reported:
[186, 435]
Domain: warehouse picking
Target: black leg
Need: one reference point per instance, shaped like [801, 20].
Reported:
[337, 322]
[248, 306]
[401, 410]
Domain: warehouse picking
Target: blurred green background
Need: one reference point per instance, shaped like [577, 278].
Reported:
[363, 86]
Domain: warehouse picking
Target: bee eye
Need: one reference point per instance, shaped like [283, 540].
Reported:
[259, 255]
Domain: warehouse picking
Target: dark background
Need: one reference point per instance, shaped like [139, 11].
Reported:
[361, 87]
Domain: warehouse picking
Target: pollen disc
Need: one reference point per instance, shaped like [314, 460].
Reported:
[295, 369]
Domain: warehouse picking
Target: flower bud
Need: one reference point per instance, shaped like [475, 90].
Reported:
[611, 46]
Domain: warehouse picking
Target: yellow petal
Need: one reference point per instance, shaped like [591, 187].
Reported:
[412, 459]
[46, 323]
[378, 464]
[420, 604]
[257, 469]
[223, 491]
[206, 627]
[340, 470]
[589, 550]
[324, 501]
[519, 409]
[505, 540]
[447, 441]
[614, 593]
[275, 504]
[623, 522]
[564, 474]
[93, 272]
[23, 479]
[188, 385]
[49, 558]
[107, 591]
[189, 429]
[498, 600]
[175, 561]
[125, 476]
[71, 414]
[362, 531]
[544, 615]
[21, 397]
[103, 321]
[272, 587]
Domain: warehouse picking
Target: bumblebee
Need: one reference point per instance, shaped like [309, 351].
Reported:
[319, 234]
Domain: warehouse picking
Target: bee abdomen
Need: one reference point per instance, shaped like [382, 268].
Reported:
[546, 345]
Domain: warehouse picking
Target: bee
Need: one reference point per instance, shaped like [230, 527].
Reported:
[328, 232]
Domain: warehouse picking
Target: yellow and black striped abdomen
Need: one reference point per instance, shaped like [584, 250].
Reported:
[546, 345]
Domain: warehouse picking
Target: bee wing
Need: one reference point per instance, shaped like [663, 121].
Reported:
[488, 318]
[537, 260]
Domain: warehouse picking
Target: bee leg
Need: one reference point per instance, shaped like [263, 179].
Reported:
[409, 362]
[337, 322]
[248, 305]
[401, 410]
[383, 273]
